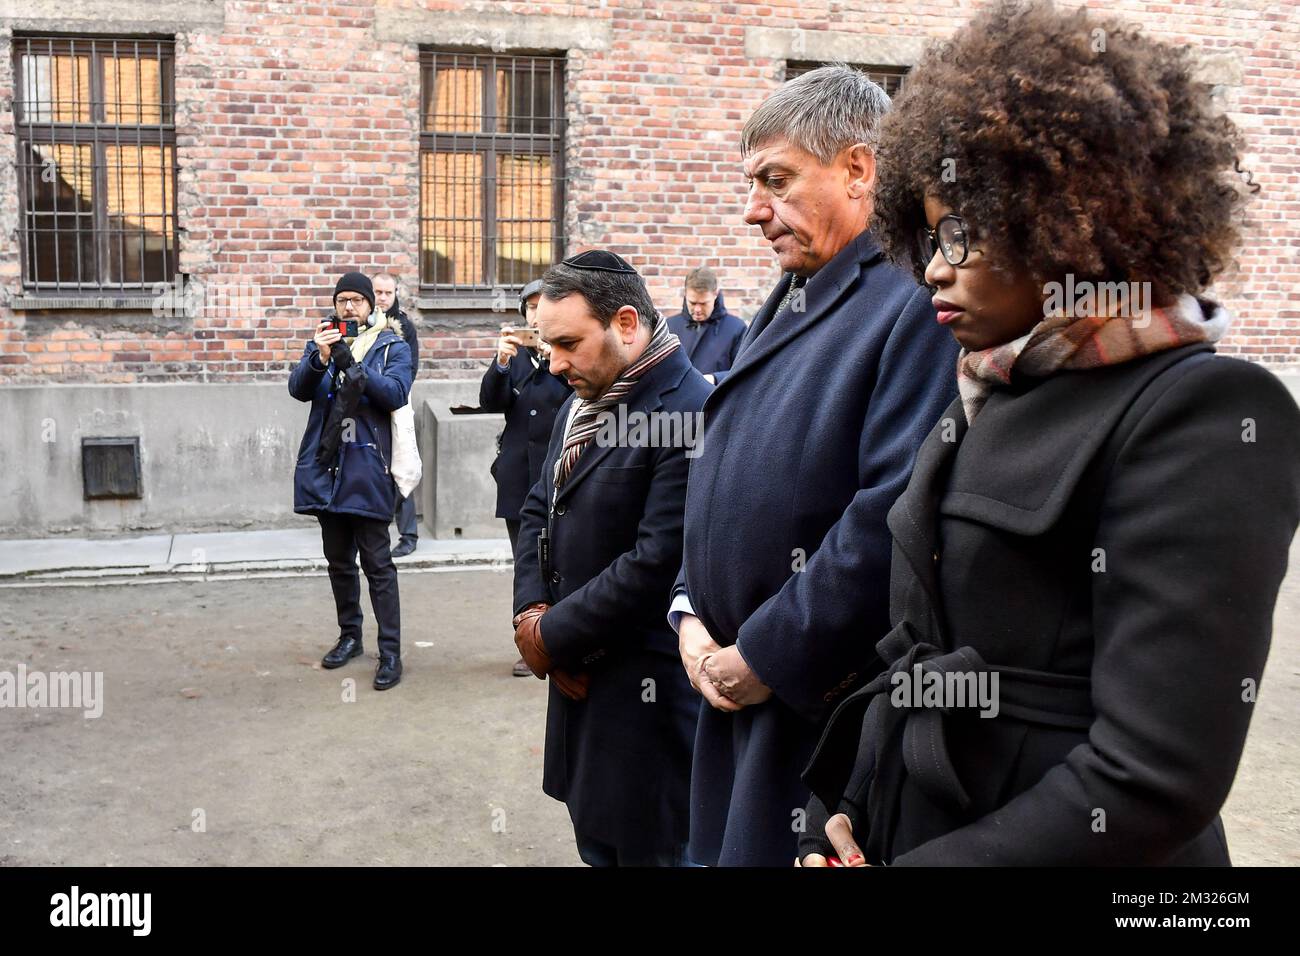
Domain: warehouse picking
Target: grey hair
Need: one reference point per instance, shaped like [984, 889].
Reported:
[824, 111]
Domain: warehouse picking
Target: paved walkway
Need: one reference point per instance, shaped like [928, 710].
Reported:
[229, 554]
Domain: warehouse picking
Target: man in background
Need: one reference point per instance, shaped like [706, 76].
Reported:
[710, 334]
[385, 284]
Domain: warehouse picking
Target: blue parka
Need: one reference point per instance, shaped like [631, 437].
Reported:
[360, 481]
[712, 345]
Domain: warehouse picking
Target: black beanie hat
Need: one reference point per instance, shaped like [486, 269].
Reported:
[357, 282]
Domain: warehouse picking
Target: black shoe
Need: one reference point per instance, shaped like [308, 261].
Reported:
[404, 547]
[346, 649]
[389, 672]
[521, 669]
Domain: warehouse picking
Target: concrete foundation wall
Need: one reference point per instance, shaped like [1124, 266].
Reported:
[213, 457]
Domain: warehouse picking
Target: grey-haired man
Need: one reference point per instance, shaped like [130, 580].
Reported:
[809, 440]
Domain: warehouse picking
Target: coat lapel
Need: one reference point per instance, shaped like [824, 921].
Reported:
[823, 291]
[646, 397]
[914, 518]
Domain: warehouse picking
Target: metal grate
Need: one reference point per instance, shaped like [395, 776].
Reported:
[491, 170]
[110, 468]
[889, 78]
[95, 121]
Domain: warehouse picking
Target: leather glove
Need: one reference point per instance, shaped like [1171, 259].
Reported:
[528, 638]
[341, 355]
[572, 686]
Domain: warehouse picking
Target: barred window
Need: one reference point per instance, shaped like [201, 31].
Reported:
[491, 170]
[95, 121]
[889, 78]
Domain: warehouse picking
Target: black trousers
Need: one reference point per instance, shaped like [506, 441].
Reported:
[343, 537]
[512, 529]
[407, 524]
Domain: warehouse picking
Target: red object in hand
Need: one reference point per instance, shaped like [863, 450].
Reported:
[833, 861]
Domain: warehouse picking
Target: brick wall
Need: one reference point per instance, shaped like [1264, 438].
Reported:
[298, 151]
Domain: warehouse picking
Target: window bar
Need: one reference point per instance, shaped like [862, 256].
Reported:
[488, 203]
[511, 183]
[100, 172]
[164, 181]
[557, 139]
[142, 232]
[54, 158]
[449, 191]
[121, 181]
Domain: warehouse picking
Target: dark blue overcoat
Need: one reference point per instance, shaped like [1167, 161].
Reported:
[807, 444]
[621, 759]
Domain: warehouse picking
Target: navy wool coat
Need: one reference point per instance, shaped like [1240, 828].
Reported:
[712, 344]
[529, 395]
[621, 759]
[1110, 542]
[808, 442]
[359, 482]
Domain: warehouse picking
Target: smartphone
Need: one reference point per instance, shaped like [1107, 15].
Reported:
[346, 327]
[528, 335]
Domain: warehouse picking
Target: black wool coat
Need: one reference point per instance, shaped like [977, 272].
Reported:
[807, 443]
[1110, 542]
[620, 759]
[529, 395]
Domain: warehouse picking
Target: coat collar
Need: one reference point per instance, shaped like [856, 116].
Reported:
[823, 291]
[1019, 465]
[647, 396]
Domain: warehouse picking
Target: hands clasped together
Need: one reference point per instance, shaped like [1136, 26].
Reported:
[720, 674]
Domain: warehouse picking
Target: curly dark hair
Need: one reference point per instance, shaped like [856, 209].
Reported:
[1073, 145]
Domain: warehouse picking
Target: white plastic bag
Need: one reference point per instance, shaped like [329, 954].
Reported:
[407, 468]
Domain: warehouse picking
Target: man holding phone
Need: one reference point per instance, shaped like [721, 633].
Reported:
[355, 372]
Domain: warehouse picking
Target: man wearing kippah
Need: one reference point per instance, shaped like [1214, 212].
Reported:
[599, 545]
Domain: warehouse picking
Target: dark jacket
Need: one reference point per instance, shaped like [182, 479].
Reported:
[1112, 542]
[621, 759]
[712, 344]
[412, 340]
[808, 442]
[530, 396]
[358, 482]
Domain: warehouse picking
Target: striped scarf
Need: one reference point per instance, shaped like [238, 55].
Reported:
[1061, 342]
[586, 419]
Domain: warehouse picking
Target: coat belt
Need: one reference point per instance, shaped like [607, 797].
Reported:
[869, 714]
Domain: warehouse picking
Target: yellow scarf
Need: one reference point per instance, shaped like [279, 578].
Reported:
[361, 344]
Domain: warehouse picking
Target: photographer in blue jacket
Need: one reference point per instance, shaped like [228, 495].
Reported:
[355, 372]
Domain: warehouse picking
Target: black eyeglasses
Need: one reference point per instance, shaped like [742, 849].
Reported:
[948, 236]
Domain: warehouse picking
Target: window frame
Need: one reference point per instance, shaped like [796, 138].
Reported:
[874, 72]
[97, 133]
[489, 144]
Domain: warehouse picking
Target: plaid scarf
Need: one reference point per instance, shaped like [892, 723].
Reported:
[1063, 342]
[586, 419]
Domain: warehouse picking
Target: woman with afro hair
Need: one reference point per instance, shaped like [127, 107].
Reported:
[1088, 554]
